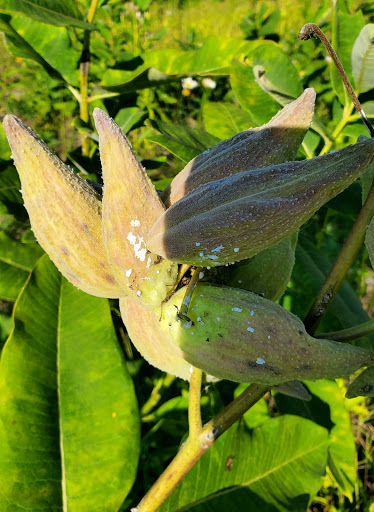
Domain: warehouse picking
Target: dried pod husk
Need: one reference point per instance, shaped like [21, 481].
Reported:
[131, 206]
[363, 385]
[267, 273]
[272, 143]
[234, 218]
[143, 327]
[64, 211]
[237, 335]
[369, 241]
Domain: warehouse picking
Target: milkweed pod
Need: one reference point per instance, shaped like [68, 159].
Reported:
[267, 273]
[363, 385]
[272, 143]
[369, 241]
[143, 327]
[234, 218]
[237, 335]
[64, 211]
[131, 206]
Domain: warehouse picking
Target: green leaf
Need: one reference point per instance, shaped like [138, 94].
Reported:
[50, 47]
[258, 414]
[310, 270]
[260, 105]
[4, 146]
[363, 59]
[19, 47]
[327, 408]
[61, 13]
[128, 118]
[10, 197]
[275, 468]
[224, 119]
[366, 181]
[182, 141]
[16, 262]
[275, 73]
[69, 429]
[149, 69]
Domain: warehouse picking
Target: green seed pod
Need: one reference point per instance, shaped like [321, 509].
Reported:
[64, 211]
[236, 217]
[273, 143]
[131, 206]
[369, 241]
[237, 335]
[363, 385]
[143, 327]
[267, 273]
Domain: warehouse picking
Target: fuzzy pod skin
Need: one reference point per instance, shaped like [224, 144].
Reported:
[237, 335]
[267, 273]
[272, 143]
[131, 206]
[143, 327]
[369, 241]
[234, 218]
[64, 211]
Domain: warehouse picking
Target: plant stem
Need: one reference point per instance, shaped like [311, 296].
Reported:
[342, 264]
[195, 447]
[155, 395]
[188, 295]
[194, 410]
[84, 66]
[311, 29]
[350, 334]
[339, 128]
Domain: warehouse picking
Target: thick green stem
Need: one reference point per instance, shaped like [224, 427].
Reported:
[194, 408]
[195, 447]
[342, 264]
[350, 334]
[84, 67]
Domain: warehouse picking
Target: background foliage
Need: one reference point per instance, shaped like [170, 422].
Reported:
[68, 406]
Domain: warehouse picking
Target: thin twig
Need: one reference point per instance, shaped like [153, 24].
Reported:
[352, 333]
[307, 32]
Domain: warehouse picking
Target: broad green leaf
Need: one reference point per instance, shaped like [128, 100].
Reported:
[128, 118]
[260, 106]
[366, 181]
[346, 28]
[69, 429]
[52, 45]
[277, 467]
[363, 59]
[4, 146]
[213, 58]
[275, 73]
[16, 262]
[369, 241]
[6, 325]
[224, 119]
[19, 47]
[10, 197]
[61, 13]
[182, 141]
[327, 408]
[311, 268]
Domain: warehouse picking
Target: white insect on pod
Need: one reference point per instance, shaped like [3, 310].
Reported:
[64, 211]
[131, 206]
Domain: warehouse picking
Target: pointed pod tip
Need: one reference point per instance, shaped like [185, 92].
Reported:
[12, 124]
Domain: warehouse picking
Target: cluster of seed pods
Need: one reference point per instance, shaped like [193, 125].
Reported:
[235, 209]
